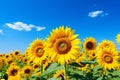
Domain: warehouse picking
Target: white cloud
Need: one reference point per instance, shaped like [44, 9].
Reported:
[104, 14]
[95, 13]
[20, 26]
[1, 31]
[40, 28]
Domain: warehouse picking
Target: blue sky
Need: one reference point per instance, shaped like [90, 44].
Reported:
[22, 21]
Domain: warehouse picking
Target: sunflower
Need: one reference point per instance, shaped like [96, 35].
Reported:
[106, 43]
[91, 55]
[36, 66]
[11, 54]
[13, 73]
[16, 53]
[27, 71]
[107, 58]
[1, 55]
[46, 63]
[63, 45]
[30, 62]
[9, 61]
[118, 38]
[36, 51]
[7, 56]
[89, 44]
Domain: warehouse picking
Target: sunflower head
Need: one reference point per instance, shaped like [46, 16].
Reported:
[105, 44]
[13, 71]
[36, 66]
[9, 61]
[27, 71]
[17, 52]
[91, 55]
[63, 45]
[7, 56]
[36, 51]
[107, 58]
[89, 44]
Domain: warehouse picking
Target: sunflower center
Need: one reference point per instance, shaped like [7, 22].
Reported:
[16, 53]
[9, 62]
[89, 45]
[7, 56]
[39, 51]
[27, 71]
[63, 45]
[14, 72]
[108, 59]
[36, 66]
[93, 54]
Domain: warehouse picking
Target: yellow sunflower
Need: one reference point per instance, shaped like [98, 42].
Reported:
[9, 61]
[118, 38]
[16, 52]
[91, 55]
[26, 71]
[89, 44]
[63, 45]
[7, 56]
[30, 62]
[13, 73]
[36, 66]
[106, 43]
[107, 58]
[36, 51]
[46, 63]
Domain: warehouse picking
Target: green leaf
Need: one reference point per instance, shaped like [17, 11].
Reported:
[53, 67]
[116, 73]
[100, 78]
[97, 68]
[117, 78]
[75, 64]
[88, 62]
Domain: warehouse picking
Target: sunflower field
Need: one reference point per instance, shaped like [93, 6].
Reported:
[62, 56]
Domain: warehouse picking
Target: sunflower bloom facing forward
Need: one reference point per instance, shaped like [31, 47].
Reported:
[63, 45]
[107, 58]
[36, 51]
[13, 73]
[89, 44]
[26, 71]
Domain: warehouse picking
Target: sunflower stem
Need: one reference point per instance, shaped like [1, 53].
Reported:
[65, 71]
[41, 66]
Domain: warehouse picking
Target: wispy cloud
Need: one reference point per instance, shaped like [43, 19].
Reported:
[94, 14]
[20, 26]
[1, 31]
[40, 28]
